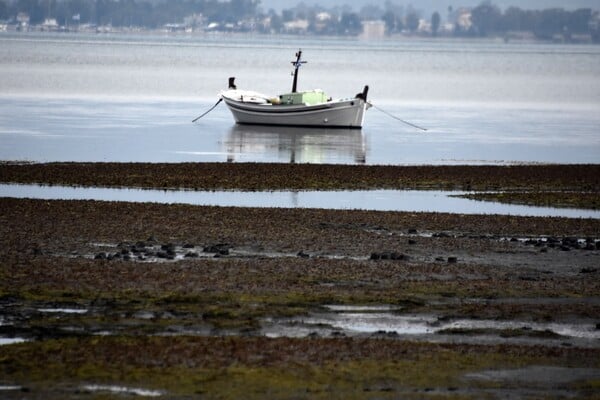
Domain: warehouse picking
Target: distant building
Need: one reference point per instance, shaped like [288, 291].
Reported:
[373, 29]
[50, 24]
[424, 26]
[463, 19]
[298, 26]
[322, 21]
[22, 21]
[23, 18]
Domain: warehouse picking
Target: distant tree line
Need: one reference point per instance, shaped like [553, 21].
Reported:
[128, 12]
[485, 19]
[488, 20]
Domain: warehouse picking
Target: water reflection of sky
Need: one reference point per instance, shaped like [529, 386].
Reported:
[379, 200]
[76, 129]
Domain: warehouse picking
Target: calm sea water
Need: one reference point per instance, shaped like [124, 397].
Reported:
[132, 98]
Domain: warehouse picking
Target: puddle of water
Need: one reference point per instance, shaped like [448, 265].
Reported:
[356, 323]
[376, 200]
[537, 374]
[346, 308]
[7, 341]
[9, 388]
[63, 310]
[122, 390]
[584, 331]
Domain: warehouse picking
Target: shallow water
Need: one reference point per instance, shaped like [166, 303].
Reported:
[123, 390]
[62, 310]
[132, 98]
[378, 200]
[354, 322]
[7, 341]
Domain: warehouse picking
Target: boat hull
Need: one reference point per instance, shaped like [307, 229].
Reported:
[334, 114]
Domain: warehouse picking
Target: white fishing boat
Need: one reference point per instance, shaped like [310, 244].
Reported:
[311, 108]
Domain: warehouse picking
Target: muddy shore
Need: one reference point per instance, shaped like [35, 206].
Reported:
[255, 176]
[108, 299]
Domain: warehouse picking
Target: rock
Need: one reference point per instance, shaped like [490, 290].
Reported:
[598, 245]
[565, 248]
[588, 270]
[400, 257]
[220, 248]
[168, 246]
[442, 259]
[528, 278]
[544, 250]
[302, 254]
[452, 260]
[191, 254]
[589, 246]
[140, 245]
[151, 239]
[100, 256]
[375, 256]
[382, 333]
[161, 254]
[412, 231]
[188, 246]
[412, 241]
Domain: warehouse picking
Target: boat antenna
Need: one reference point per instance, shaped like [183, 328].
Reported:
[297, 64]
[399, 119]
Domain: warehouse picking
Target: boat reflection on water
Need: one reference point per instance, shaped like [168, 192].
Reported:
[295, 144]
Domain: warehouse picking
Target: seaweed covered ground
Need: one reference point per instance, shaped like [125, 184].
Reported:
[109, 299]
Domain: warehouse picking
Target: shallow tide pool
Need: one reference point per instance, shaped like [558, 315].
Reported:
[376, 200]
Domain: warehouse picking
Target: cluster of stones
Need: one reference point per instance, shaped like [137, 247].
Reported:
[143, 251]
[564, 244]
[389, 255]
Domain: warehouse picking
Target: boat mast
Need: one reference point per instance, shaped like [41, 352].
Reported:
[297, 65]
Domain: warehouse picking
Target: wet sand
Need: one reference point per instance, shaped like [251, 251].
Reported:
[174, 298]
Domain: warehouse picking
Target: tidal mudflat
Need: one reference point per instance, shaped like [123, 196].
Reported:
[177, 301]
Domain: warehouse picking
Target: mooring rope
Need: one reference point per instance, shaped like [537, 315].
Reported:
[212, 108]
[399, 119]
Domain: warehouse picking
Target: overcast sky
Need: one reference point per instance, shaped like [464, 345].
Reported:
[429, 6]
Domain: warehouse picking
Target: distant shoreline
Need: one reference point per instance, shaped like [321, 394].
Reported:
[397, 37]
